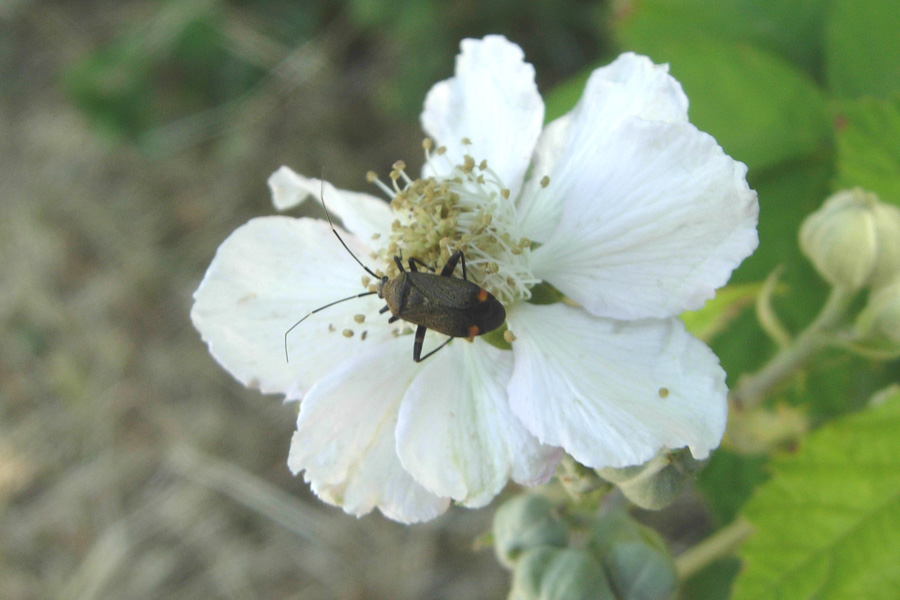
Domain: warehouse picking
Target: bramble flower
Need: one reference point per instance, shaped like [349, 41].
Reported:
[621, 205]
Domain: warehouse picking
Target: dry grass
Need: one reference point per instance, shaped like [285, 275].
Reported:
[131, 465]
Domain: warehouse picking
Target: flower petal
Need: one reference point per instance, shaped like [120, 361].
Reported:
[494, 102]
[345, 438]
[631, 86]
[360, 213]
[539, 212]
[457, 435]
[266, 275]
[612, 393]
[655, 220]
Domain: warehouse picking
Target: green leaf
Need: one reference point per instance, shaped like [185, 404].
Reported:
[760, 108]
[861, 54]
[828, 522]
[868, 143]
[789, 28]
[719, 312]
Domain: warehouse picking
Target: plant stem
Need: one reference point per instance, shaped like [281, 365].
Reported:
[752, 389]
[721, 544]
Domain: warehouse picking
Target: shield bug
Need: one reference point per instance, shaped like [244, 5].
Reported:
[441, 302]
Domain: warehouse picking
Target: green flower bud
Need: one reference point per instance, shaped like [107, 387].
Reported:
[853, 240]
[881, 316]
[559, 574]
[526, 522]
[635, 558]
[580, 480]
[656, 483]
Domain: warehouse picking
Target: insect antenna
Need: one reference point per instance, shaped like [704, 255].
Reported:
[340, 239]
[350, 252]
[311, 313]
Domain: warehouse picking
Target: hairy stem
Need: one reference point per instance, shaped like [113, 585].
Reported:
[752, 389]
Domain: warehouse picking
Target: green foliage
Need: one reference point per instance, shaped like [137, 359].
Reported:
[721, 311]
[426, 32]
[827, 522]
[729, 480]
[713, 582]
[861, 54]
[723, 80]
[177, 65]
[789, 28]
[868, 144]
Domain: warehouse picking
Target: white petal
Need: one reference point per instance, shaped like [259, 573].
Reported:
[360, 213]
[345, 438]
[266, 275]
[654, 221]
[539, 212]
[493, 101]
[457, 435]
[612, 393]
[632, 86]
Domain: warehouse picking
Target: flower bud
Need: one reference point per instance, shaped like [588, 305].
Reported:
[526, 522]
[559, 574]
[634, 557]
[853, 240]
[580, 480]
[656, 483]
[881, 316]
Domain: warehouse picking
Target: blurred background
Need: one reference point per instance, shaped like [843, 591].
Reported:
[134, 137]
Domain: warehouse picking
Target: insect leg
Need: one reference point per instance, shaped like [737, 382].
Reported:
[450, 265]
[412, 265]
[420, 339]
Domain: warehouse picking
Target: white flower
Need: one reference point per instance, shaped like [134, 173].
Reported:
[622, 205]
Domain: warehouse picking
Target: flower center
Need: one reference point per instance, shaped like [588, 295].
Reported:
[458, 207]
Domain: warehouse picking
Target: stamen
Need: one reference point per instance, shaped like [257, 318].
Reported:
[467, 208]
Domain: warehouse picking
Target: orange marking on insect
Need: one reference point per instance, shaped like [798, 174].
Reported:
[482, 295]
[473, 330]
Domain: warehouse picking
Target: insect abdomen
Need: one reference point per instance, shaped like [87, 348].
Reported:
[454, 307]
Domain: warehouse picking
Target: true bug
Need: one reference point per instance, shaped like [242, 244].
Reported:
[443, 303]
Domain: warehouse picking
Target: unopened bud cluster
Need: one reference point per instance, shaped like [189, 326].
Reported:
[854, 240]
[656, 483]
[615, 557]
[881, 316]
